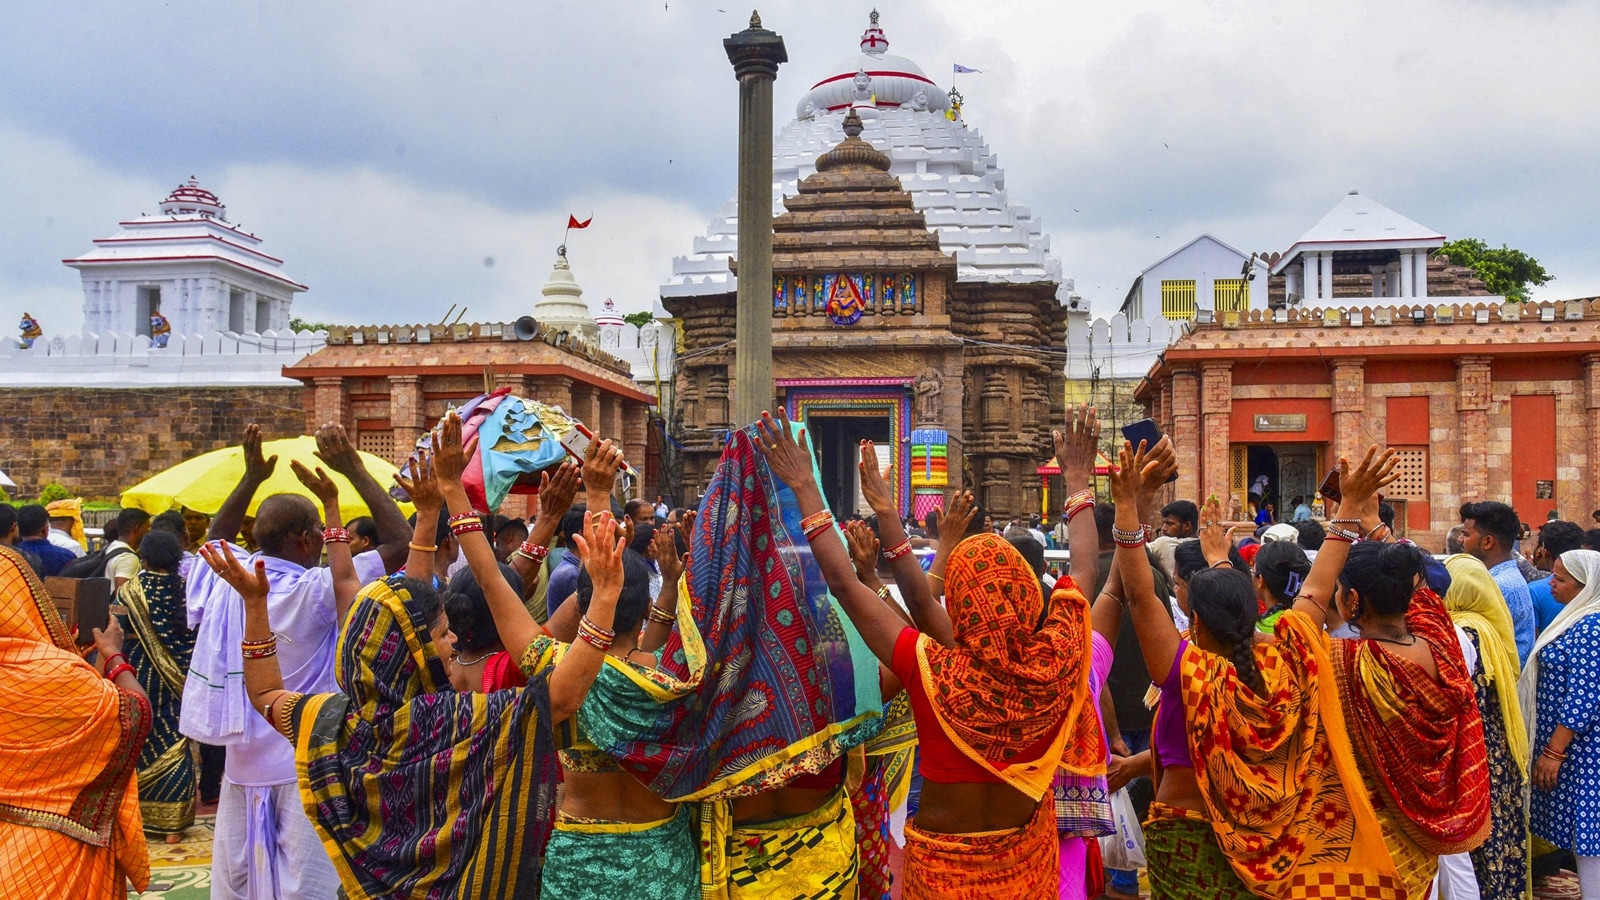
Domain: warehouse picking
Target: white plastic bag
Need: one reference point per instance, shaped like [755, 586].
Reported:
[1123, 849]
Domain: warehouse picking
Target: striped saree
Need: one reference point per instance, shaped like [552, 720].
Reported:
[415, 790]
[159, 646]
[69, 741]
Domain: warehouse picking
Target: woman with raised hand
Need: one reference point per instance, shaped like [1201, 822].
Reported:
[998, 710]
[1560, 698]
[1405, 693]
[1477, 607]
[397, 731]
[1256, 788]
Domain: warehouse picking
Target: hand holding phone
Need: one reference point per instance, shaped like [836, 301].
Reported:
[1330, 487]
[1147, 431]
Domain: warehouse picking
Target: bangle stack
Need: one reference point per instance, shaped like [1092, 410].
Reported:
[333, 534]
[466, 525]
[893, 553]
[1129, 539]
[111, 675]
[597, 637]
[259, 649]
[816, 524]
[884, 595]
[534, 552]
[1077, 503]
[1557, 755]
[1386, 535]
[657, 614]
[1335, 533]
[107, 661]
[1344, 521]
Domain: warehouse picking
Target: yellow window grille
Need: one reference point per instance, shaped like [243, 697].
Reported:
[1177, 300]
[1230, 295]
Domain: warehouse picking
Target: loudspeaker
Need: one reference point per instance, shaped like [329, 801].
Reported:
[526, 328]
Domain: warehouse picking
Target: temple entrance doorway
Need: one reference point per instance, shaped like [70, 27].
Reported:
[836, 440]
[1277, 473]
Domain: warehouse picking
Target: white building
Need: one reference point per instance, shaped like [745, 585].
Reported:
[1359, 236]
[953, 177]
[189, 264]
[1204, 274]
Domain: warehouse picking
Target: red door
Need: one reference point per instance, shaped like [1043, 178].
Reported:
[1533, 456]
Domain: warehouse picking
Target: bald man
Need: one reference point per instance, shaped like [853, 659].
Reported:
[265, 847]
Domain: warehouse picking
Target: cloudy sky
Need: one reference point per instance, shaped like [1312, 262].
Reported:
[404, 156]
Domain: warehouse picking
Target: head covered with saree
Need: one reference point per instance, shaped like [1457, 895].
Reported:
[415, 788]
[1475, 602]
[1017, 678]
[1584, 567]
[69, 739]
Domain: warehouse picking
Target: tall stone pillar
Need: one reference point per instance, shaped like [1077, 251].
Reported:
[1591, 395]
[756, 54]
[1326, 264]
[407, 418]
[1406, 274]
[1216, 416]
[1186, 432]
[1349, 408]
[1421, 267]
[1473, 395]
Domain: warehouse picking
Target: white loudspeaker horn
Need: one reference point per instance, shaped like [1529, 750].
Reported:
[526, 328]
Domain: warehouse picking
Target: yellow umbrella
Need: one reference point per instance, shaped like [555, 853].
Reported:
[204, 482]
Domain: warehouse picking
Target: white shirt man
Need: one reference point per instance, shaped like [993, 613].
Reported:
[65, 541]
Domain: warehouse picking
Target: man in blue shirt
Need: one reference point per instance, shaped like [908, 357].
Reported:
[564, 574]
[33, 526]
[1302, 512]
[1489, 531]
[1555, 538]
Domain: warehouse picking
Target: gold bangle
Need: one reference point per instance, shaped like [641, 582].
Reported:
[421, 548]
[932, 575]
[884, 595]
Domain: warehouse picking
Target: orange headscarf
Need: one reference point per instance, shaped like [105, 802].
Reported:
[69, 742]
[1011, 682]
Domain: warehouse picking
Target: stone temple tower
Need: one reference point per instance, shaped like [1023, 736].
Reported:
[562, 308]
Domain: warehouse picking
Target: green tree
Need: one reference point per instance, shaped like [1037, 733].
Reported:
[298, 324]
[54, 491]
[639, 319]
[1507, 272]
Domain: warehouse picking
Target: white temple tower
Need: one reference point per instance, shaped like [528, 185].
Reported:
[562, 308]
[189, 263]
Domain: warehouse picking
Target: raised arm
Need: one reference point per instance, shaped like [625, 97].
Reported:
[1076, 448]
[555, 498]
[1216, 542]
[864, 546]
[346, 583]
[600, 547]
[790, 461]
[1358, 501]
[516, 626]
[1141, 471]
[664, 611]
[933, 618]
[908, 574]
[423, 489]
[601, 463]
[263, 679]
[229, 519]
[394, 533]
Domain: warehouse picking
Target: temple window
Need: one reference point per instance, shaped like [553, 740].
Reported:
[1178, 300]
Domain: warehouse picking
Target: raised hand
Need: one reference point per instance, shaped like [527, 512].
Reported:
[450, 458]
[1360, 484]
[256, 467]
[252, 586]
[1214, 541]
[335, 449]
[665, 544]
[863, 550]
[789, 459]
[601, 462]
[318, 483]
[955, 522]
[1077, 446]
[600, 549]
[108, 640]
[423, 485]
[1125, 478]
[875, 485]
[1156, 466]
[557, 490]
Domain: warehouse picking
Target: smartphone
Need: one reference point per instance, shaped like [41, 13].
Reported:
[1330, 487]
[1147, 431]
[577, 441]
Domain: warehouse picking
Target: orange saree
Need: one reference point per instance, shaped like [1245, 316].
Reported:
[69, 744]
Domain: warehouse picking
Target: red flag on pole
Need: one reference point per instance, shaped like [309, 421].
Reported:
[572, 222]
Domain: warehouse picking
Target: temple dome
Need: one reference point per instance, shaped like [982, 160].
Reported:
[190, 199]
[894, 80]
[562, 308]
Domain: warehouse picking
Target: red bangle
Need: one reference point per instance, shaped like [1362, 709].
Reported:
[466, 526]
[112, 673]
[335, 535]
[535, 552]
[469, 514]
[107, 661]
[894, 553]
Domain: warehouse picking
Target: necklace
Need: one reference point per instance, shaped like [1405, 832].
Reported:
[1396, 641]
[472, 662]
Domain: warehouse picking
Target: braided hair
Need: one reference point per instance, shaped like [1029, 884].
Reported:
[1224, 600]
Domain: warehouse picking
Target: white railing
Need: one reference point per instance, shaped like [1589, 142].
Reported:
[123, 360]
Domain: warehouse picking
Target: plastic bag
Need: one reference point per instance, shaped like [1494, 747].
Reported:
[1124, 849]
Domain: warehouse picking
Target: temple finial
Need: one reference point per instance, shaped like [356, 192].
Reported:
[755, 19]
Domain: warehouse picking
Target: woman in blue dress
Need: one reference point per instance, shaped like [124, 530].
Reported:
[1560, 694]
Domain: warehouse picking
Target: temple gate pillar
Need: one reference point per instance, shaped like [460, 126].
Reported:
[1473, 396]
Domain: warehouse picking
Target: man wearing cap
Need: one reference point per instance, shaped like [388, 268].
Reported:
[66, 525]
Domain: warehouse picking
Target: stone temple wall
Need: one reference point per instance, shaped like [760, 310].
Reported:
[100, 441]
